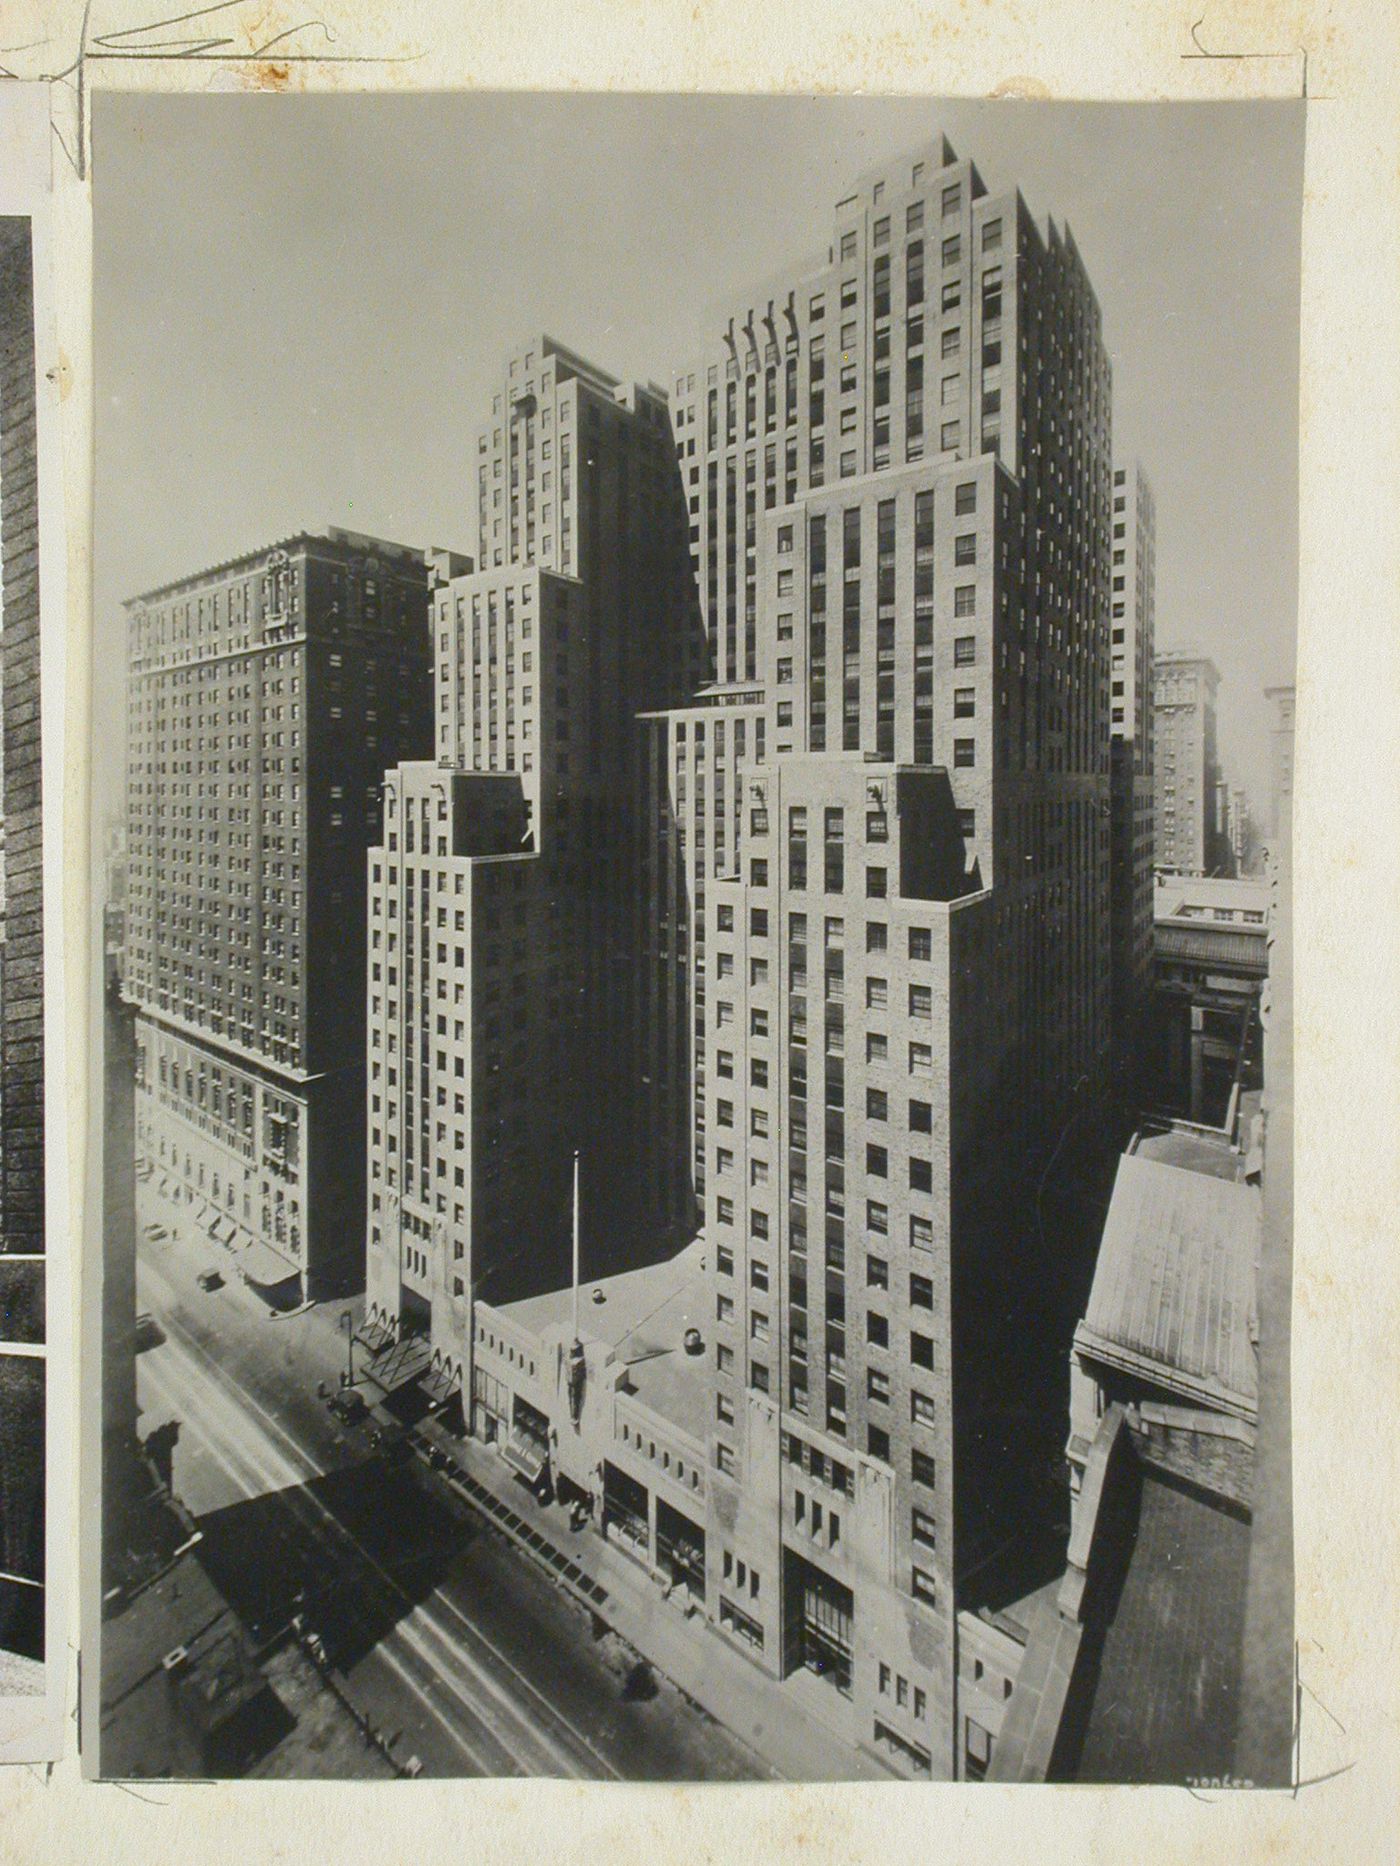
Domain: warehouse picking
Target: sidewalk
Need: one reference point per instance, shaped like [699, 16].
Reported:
[756, 1708]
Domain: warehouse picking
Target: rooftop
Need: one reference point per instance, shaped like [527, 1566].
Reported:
[1166, 1700]
[642, 1317]
[1199, 1150]
[1174, 1291]
[1185, 896]
[333, 537]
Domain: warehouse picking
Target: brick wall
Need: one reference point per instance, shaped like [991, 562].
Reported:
[21, 982]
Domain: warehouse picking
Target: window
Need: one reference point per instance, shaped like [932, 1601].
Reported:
[924, 1529]
[920, 1176]
[964, 702]
[921, 1233]
[877, 1443]
[948, 439]
[952, 341]
[920, 943]
[921, 1409]
[848, 246]
[923, 1470]
[965, 599]
[921, 1351]
[877, 1047]
[965, 651]
[877, 1385]
[921, 1292]
[876, 884]
[920, 1059]
[876, 936]
[724, 1409]
[877, 1104]
[877, 1161]
[877, 1329]
[964, 753]
[921, 1002]
[923, 1587]
[991, 236]
[952, 196]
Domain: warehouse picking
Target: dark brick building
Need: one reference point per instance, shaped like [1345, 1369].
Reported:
[21, 968]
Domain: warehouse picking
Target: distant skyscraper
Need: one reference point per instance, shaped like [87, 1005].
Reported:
[1132, 717]
[1188, 833]
[266, 696]
[1284, 701]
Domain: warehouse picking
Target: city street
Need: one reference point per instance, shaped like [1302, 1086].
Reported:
[443, 1635]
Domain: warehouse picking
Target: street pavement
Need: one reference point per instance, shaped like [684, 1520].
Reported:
[438, 1632]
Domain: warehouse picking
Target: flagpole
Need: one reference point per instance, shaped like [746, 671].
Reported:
[576, 1252]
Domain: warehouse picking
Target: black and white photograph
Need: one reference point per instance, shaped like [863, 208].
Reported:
[691, 784]
[24, 1387]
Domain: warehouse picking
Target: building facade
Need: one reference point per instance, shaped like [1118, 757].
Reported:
[1132, 716]
[266, 697]
[895, 969]
[940, 329]
[1188, 831]
[544, 657]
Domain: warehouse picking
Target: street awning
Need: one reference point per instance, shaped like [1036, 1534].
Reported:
[440, 1382]
[401, 1362]
[375, 1336]
[221, 1228]
[526, 1456]
[259, 1264]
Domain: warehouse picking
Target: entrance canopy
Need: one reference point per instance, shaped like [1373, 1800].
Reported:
[525, 1456]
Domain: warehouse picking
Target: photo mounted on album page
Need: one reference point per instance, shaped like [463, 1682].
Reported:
[691, 787]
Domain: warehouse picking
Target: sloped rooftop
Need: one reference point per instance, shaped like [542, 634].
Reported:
[1174, 1291]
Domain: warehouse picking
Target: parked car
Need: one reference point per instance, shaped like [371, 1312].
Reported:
[210, 1279]
[149, 1333]
[349, 1408]
[694, 1341]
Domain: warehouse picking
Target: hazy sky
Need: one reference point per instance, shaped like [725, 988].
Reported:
[302, 305]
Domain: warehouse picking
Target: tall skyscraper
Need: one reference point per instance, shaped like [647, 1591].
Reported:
[266, 697]
[503, 981]
[1132, 717]
[1185, 684]
[940, 327]
[895, 965]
